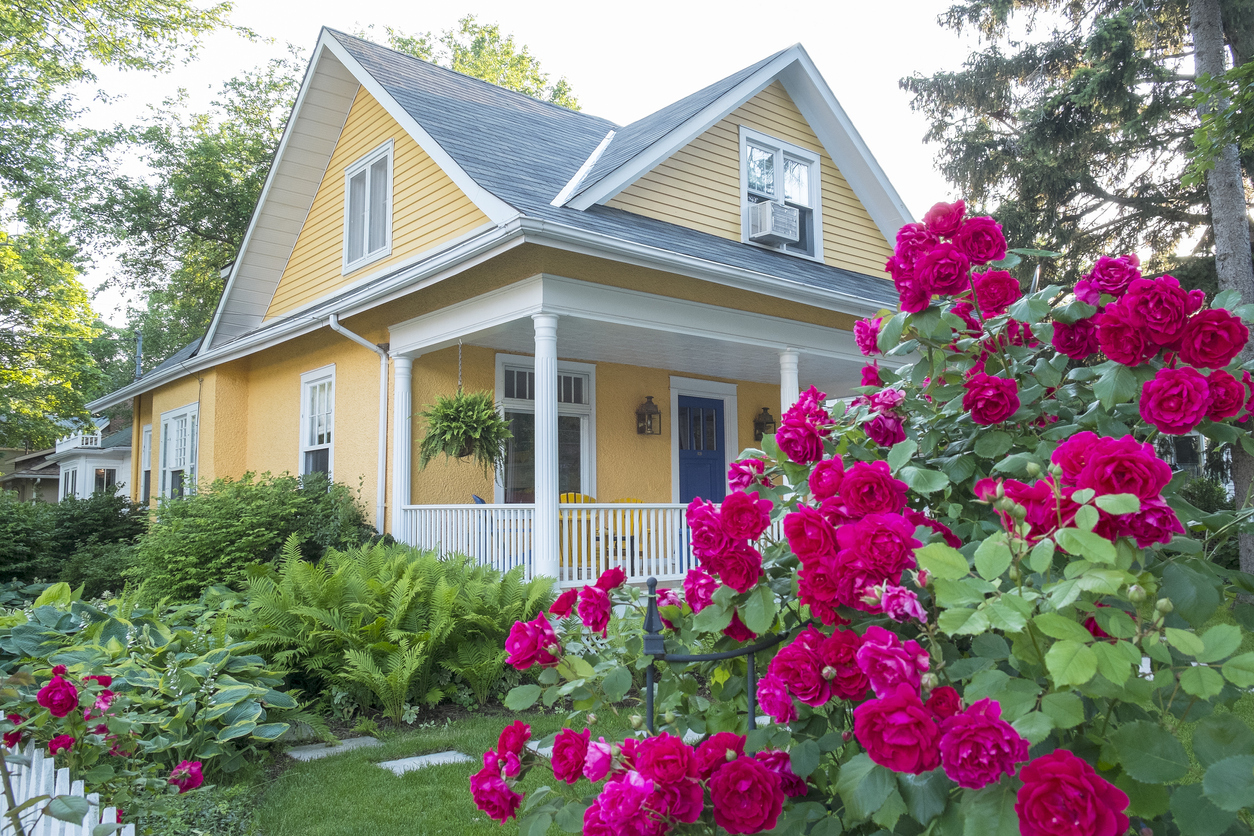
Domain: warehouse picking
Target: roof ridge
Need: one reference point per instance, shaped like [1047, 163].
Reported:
[337, 33]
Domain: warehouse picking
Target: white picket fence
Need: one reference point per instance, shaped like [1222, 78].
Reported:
[43, 778]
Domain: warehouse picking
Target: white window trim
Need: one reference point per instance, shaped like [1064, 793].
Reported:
[69, 483]
[704, 389]
[145, 461]
[363, 164]
[310, 378]
[192, 470]
[588, 475]
[816, 190]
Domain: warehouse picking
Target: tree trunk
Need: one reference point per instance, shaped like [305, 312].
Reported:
[1230, 221]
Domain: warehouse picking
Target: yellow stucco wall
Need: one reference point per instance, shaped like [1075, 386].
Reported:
[628, 465]
[427, 209]
[699, 185]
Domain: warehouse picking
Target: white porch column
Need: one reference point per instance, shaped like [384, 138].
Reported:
[789, 388]
[402, 439]
[544, 534]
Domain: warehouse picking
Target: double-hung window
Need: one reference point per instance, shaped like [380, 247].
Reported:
[179, 437]
[106, 479]
[516, 392]
[317, 420]
[778, 172]
[145, 466]
[69, 483]
[368, 208]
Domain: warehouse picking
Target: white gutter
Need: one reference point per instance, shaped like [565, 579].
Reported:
[380, 507]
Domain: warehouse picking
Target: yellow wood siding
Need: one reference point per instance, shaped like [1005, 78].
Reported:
[699, 185]
[428, 209]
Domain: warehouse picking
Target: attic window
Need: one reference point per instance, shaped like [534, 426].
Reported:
[368, 208]
[774, 171]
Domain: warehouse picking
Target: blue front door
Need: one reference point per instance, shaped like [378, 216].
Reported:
[702, 461]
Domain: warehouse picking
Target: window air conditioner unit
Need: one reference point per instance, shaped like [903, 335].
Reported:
[774, 223]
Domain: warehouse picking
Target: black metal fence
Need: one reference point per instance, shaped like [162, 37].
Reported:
[655, 646]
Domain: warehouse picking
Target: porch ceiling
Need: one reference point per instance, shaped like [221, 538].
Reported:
[603, 324]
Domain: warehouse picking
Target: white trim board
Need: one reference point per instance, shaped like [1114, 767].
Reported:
[703, 389]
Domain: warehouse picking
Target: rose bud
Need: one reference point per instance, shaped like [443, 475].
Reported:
[1033, 469]
[1164, 605]
[637, 722]
[1136, 593]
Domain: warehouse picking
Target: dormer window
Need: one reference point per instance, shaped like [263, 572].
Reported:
[368, 208]
[776, 172]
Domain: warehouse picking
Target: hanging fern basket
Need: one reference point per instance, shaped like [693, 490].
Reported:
[465, 426]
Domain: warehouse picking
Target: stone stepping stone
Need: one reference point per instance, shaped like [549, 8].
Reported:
[400, 767]
[314, 751]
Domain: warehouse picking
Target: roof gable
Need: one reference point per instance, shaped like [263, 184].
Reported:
[656, 138]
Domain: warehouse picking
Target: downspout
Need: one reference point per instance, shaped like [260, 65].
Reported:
[380, 507]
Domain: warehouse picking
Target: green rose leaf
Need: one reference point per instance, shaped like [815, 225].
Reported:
[1035, 726]
[1119, 503]
[993, 445]
[617, 684]
[1220, 642]
[901, 453]
[1041, 557]
[1149, 753]
[1058, 626]
[570, 817]
[1145, 800]
[1187, 643]
[1201, 682]
[1118, 384]
[963, 622]
[993, 557]
[1194, 595]
[1239, 670]
[925, 795]
[804, 758]
[990, 811]
[923, 481]
[536, 824]
[758, 612]
[863, 785]
[713, 618]
[890, 332]
[1070, 663]
[522, 697]
[1065, 709]
[1196, 815]
[1113, 660]
[942, 561]
[1229, 783]
[1219, 736]
[1086, 544]
[69, 808]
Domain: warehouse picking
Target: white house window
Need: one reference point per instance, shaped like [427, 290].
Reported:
[145, 464]
[773, 171]
[516, 391]
[69, 483]
[317, 420]
[368, 208]
[106, 479]
[179, 440]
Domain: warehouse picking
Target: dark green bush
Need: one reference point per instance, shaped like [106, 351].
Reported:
[39, 539]
[213, 536]
[99, 567]
[1211, 496]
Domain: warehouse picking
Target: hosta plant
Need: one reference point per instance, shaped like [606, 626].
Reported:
[997, 616]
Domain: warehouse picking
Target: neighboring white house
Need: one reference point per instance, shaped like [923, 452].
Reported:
[93, 462]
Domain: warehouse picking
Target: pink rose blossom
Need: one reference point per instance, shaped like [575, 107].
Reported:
[699, 589]
[745, 473]
[944, 270]
[885, 429]
[532, 642]
[913, 241]
[774, 699]
[900, 604]
[565, 603]
[594, 609]
[1175, 400]
[779, 762]
[745, 516]
[570, 752]
[981, 240]
[1078, 340]
[611, 579]
[865, 334]
[188, 775]
[898, 732]
[1227, 395]
[888, 662]
[826, 477]
[978, 747]
[995, 290]
[945, 218]
[599, 759]
[493, 795]
[1110, 275]
[871, 375]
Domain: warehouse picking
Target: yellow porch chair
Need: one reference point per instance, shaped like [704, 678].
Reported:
[580, 544]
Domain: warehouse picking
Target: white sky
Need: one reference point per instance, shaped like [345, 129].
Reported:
[623, 60]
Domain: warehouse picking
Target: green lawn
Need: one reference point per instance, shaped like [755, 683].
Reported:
[346, 795]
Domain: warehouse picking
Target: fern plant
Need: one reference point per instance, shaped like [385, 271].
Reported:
[381, 621]
[465, 425]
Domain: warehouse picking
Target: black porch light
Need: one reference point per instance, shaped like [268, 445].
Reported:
[648, 417]
[763, 424]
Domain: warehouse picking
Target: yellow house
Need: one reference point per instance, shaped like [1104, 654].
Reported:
[420, 228]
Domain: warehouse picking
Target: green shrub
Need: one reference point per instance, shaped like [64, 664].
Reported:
[1211, 496]
[37, 539]
[382, 622]
[213, 536]
[211, 811]
[99, 567]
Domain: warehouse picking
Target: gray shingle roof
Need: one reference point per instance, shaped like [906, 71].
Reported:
[121, 438]
[524, 151]
[639, 135]
[185, 353]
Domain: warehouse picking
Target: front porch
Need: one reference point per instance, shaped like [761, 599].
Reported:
[574, 422]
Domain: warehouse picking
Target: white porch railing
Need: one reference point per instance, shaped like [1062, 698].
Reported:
[643, 539]
[70, 442]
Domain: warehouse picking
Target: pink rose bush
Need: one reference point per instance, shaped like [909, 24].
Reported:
[972, 579]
